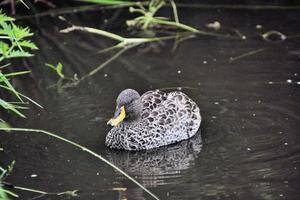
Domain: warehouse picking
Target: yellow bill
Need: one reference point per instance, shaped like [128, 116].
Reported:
[115, 121]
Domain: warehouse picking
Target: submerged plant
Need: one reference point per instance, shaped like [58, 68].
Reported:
[58, 69]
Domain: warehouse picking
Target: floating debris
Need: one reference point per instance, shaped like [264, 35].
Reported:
[289, 81]
[205, 62]
[216, 103]
[250, 53]
[248, 149]
[179, 72]
[215, 25]
[258, 26]
[274, 36]
[33, 175]
[119, 189]
[286, 143]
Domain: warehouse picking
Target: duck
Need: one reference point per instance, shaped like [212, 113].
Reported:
[151, 120]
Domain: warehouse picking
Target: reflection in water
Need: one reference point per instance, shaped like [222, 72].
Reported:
[158, 166]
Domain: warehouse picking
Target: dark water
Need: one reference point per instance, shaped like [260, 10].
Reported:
[250, 108]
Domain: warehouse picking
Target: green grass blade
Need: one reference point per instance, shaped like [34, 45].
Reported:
[24, 96]
[3, 66]
[8, 192]
[11, 88]
[85, 150]
[10, 107]
[16, 73]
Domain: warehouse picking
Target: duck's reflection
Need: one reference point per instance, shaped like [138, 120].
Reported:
[158, 166]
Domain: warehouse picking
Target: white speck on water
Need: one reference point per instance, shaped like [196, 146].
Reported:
[214, 117]
[280, 132]
[199, 83]
[259, 101]
[215, 59]
[270, 82]
[105, 75]
[216, 103]
[295, 74]
[68, 160]
[289, 81]
[235, 99]
[248, 149]
[179, 72]
[258, 26]
[286, 182]
[33, 175]
[98, 173]
[253, 114]
[286, 143]
[204, 62]
[281, 195]
[244, 37]
[298, 83]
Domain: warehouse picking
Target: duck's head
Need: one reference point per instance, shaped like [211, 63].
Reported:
[129, 107]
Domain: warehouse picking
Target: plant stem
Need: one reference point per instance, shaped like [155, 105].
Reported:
[83, 149]
[250, 53]
[95, 31]
[94, 71]
[174, 11]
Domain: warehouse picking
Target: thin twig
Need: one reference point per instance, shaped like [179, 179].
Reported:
[232, 59]
[83, 149]
[94, 71]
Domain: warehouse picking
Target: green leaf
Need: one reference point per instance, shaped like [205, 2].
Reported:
[4, 124]
[50, 66]
[18, 53]
[3, 48]
[21, 32]
[29, 44]
[4, 17]
[59, 70]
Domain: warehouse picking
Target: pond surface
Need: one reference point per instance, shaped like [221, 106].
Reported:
[250, 146]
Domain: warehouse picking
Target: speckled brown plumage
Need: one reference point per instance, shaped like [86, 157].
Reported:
[165, 118]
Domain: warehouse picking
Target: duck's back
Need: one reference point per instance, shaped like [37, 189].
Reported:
[171, 117]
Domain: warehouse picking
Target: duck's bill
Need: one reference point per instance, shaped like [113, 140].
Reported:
[119, 117]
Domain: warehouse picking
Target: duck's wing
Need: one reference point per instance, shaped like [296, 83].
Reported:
[177, 113]
[153, 99]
